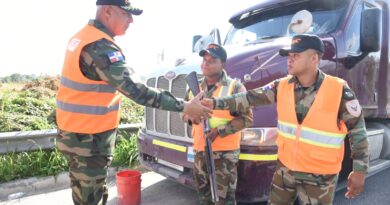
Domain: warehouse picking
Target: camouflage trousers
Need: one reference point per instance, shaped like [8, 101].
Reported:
[89, 156]
[226, 177]
[310, 189]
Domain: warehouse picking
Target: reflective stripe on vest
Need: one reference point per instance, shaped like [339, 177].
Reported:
[86, 109]
[215, 121]
[311, 136]
[218, 118]
[226, 90]
[100, 88]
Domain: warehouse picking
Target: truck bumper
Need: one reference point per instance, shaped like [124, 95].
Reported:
[174, 160]
[166, 157]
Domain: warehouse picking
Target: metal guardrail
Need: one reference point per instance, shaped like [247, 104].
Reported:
[39, 139]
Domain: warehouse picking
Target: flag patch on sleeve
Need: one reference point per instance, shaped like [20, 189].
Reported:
[115, 56]
[269, 86]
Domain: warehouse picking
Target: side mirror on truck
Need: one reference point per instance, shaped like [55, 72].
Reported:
[370, 30]
[216, 36]
[194, 40]
[200, 42]
[300, 22]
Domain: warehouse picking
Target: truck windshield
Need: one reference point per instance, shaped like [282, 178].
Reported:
[257, 26]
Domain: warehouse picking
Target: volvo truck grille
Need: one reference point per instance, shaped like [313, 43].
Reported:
[166, 122]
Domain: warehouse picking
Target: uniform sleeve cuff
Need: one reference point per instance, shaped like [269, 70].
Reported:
[218, 104]
[360, 167]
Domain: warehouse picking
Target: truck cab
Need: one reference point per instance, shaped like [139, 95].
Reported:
[356, 38]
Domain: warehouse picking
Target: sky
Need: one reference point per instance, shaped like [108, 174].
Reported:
[34, 34]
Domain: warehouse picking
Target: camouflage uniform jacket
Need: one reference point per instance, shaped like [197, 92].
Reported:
[304, 98]
[241, 119]
[96, 65]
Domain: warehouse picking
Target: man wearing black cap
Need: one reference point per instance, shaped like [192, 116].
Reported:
[88, 99]
[315, 113]
[224, 130]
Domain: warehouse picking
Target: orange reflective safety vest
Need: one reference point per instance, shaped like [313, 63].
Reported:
[317, 144]
[84, 105]
[219, 117]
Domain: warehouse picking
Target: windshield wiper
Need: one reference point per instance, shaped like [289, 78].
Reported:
[270, 37]
[261, 39]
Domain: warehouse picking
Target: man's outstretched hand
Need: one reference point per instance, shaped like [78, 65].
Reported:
[208, 102]
[195, 110]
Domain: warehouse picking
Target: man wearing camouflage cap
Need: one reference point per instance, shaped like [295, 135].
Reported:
[88, 101]
[224, 132]
[315, 113]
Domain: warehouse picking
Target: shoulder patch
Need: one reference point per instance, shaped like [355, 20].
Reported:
[73, 44]
[115, 56]
[353, 107]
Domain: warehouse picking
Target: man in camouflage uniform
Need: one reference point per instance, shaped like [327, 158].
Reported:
[226, 156]
[311, 188]
[102, 64]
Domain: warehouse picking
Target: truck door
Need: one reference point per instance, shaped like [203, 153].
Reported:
[363, 71]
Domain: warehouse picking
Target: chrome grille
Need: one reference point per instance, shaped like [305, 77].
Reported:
[165, 122]
[189, 131]
[149, 111]
[161, 115]
[179, 86]
[176, 124]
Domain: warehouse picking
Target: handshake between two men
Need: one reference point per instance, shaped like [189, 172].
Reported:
[197, 109]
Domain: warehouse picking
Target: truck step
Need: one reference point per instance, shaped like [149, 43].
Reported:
[375, 141]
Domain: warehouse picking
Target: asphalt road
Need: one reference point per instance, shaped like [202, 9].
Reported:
[157, 190]
[377, 192]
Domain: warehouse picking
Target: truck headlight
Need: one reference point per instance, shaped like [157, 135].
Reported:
[259, 136]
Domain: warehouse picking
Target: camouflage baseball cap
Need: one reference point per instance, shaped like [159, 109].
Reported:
[124, 4]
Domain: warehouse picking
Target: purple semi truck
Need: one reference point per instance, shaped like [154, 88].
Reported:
[356, 37]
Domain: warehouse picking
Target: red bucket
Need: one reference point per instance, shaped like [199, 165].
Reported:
[128, 183]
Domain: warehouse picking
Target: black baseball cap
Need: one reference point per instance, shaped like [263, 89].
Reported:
[123, 4]
[302, 42]
[215, 50]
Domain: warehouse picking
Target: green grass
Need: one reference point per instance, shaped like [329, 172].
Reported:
[26, 108]
[21, 165]
[28, 164]
[126, 151]
[31, 106]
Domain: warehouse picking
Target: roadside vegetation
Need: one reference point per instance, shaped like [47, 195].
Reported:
[28, 103]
